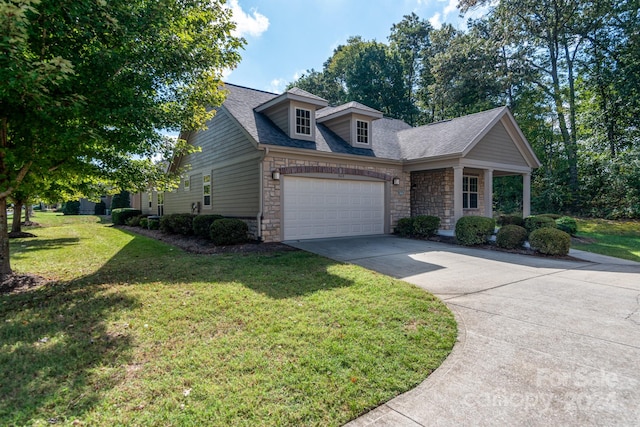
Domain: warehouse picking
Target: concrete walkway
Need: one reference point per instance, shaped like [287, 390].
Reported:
[540, 341]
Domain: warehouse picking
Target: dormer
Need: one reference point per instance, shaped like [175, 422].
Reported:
[351, 122]
[294, 112]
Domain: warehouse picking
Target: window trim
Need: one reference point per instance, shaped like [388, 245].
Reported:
[207, 183]
[186, 183]
[366, 134]
[467, 192]
[308, 125]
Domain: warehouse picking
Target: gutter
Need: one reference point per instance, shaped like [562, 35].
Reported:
[261, 202]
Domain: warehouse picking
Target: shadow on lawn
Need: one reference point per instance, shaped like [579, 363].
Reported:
[55, 348]
[38, 244]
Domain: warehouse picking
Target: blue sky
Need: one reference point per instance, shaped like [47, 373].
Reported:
[287, 37]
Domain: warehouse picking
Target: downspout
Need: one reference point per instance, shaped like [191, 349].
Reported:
[259, 216]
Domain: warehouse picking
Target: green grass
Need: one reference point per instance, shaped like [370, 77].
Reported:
[136, 332]
[619, 239]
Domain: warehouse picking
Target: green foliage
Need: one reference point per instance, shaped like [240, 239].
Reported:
[535, 222]
[550, 241]
[100, 208]
[202, 225]
[567, 224]
[153, 223]
[144, 222]
[513, 219]
[136, 221]
[121, 200]
[228, 231]
[121, 215]
[404, 227]
[178, 223]
[511, 236]
[474, 230]
[425, 225]
[550, 215]
[71, 207]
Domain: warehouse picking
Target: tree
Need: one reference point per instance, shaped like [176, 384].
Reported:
[87, 85]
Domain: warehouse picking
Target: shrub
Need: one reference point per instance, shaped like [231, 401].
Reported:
[228, 231]
[136, 221]
[567, 224]
[425, 225]
[202, 225]
[404, 227]
[512, 219]
[153, 224]
[121, 200]
[511, 236]
[550, 241]
[474, 230]
[100, 208]
[178, 223]
[119, 216]
[535, 222]
[71, 208]
[550, 215]
[144, 222]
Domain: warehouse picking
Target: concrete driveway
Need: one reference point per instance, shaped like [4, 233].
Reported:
[541, 341]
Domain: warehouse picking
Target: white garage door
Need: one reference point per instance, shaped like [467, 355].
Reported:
[316, 208]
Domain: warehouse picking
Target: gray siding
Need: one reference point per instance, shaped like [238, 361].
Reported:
[341, 127]
[280, 116]
[233, 162]
[497, 146]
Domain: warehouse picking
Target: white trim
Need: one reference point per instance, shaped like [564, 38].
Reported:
[186, 183]
[466, 195]
[204, 193]
[367, 129]
[302, 126]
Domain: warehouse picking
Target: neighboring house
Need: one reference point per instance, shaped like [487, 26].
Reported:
[88, 207]
[295, 168]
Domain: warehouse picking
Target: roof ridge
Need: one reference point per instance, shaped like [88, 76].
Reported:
[249, 88]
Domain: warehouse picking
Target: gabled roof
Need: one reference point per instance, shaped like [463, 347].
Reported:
[391, 139]
[352, 107]
[294, 94]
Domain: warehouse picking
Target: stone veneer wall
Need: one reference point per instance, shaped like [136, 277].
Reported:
[399, 204]
[432, 194]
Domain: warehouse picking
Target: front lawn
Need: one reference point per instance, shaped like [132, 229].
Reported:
[619, 239]
[136, 332]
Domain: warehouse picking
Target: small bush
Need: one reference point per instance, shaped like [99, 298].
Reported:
[228, 231]
[100, 208]
[534, 222]
[512, 219]
[567, 224]
[144, 223]
[136, 221]
[153, 224]
[178, 223]
[202, 225]
[550, 241]
[550, 215]
[71, 208]
[425, 225]
[404, 227]
[511, 236]
[119, 216]
[474, 230]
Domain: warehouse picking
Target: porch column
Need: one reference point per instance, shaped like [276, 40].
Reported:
[526, 195]
[457, 193]
[488, 193]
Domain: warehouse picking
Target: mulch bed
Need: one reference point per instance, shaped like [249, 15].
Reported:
[198, 245]
[18, 283]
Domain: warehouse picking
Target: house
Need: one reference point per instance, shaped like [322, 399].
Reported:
[293, 167]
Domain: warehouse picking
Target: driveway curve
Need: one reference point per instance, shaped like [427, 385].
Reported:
[540, 341]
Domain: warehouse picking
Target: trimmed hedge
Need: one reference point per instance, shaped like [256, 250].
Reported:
[136, 221]
[419, 226]
[474, 230]
[119, 216]
[511, 219]
[426, 225]
[511, 236]
[178, 223]
[550, 241]
[567, 224]
[144, 222]
[153, 224]
[202, 225]
[550, 215]
[535, 222]
[228, 231]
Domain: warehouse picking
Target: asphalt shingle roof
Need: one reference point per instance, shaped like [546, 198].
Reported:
[391, 139]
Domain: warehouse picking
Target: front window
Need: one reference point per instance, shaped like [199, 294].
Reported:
[362, 132]
[150, 197]
[206, 190]
[470, 192]
[187, 183]
[160, 203]
[303, 121]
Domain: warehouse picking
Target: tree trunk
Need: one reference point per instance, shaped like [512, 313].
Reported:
[16, 225]
[28, 211]
[5, 264]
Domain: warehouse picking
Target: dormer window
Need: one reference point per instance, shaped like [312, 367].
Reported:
[303, 121]
[362, 132]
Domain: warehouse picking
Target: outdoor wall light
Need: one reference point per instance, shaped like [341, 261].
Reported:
[275, 175]
[396, 181]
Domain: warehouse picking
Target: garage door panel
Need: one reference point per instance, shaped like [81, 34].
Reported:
[316, 208]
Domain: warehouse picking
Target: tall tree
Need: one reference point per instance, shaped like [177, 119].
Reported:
[90, 83]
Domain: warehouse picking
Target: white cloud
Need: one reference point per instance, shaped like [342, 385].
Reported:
[277, 85]
[451, 7]
[435, 21]
[248, 24]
